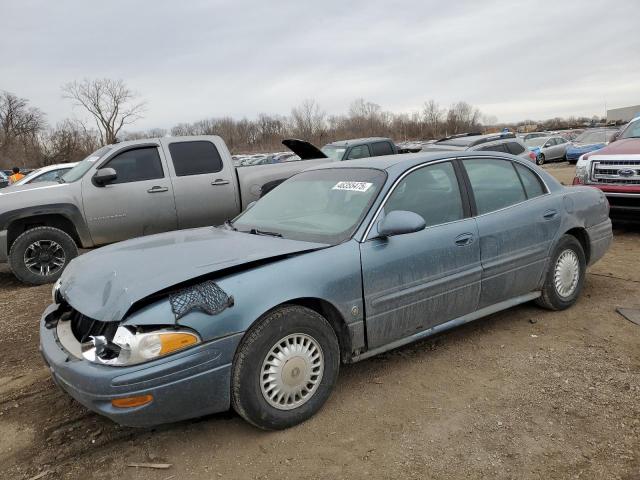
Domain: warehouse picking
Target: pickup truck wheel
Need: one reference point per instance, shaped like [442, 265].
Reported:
[40, 254]
[565, 277]
[285, 368]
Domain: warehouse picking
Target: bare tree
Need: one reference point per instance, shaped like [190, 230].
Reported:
[308, 121]
[17, 119]
[433, 115]
[111, 103]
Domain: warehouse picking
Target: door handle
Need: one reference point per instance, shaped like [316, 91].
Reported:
[550, 214]
[220, 181]
[157, 189]
[464, 239]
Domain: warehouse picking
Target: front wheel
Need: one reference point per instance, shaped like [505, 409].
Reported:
[40, 254]
[540, 159]
[565, 277]
[285, 368]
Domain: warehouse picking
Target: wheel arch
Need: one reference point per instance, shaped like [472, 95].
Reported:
[55, 220]
[580, 233]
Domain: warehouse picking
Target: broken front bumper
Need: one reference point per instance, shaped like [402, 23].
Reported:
[188, 384]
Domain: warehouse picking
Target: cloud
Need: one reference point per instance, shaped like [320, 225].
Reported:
[197, 59]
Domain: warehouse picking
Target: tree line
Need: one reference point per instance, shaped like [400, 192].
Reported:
[110, 107]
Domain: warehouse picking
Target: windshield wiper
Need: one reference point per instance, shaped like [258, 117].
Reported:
[255, 231]
[229, 224]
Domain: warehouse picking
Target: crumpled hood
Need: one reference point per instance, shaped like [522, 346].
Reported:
[105, 283]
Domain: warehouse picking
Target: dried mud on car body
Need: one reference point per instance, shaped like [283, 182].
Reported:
[523, 394]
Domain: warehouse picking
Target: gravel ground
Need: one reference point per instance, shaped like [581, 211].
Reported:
[524, 394]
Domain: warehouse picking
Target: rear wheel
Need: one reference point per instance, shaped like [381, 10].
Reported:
[540, 159]
[285, 368]
[40, 254]
[565, 277]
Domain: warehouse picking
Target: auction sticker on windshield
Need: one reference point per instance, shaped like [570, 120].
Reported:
[353, 186]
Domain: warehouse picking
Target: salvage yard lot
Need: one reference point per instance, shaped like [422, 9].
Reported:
[526, 393]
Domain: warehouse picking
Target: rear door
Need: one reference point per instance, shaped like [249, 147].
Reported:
[415, 281]
[517, 223]
[205, 186]
[138, 202]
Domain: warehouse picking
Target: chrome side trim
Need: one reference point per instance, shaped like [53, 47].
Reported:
[483, 312]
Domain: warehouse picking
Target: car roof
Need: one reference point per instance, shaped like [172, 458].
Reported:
[467, 140]
[407, 160]
[358, 141]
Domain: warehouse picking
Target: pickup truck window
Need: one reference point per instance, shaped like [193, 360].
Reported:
[361, 151]
[381, 148]
[136, 165]
[334, 153]
[195, 158]
[82, 167]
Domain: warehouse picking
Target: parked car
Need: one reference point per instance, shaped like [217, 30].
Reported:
[343, 149]
[615, 169]
[123, 191]
[531, 135]
[548, 149]
[493, 142]
[4, 180]
[588, 141]
[368, 255]
[51, 173]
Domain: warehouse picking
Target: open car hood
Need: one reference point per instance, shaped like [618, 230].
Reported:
[105, 283]
[305, 150]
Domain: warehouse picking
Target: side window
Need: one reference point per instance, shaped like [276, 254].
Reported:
[136, 165]
[495, 184]
[498, 147]
[515, 148]
[432, 192]
[532, 185]
[195, 158]
[381, 148]
[361, 151]
[560, 140]
[51, 176]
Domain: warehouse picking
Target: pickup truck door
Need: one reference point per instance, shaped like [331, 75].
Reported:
[138, 202]
[204, 181]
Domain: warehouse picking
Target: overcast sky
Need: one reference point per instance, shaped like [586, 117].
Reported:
[196, 59]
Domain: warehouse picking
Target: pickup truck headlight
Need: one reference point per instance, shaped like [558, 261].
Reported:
[582, 169]
[130, 348]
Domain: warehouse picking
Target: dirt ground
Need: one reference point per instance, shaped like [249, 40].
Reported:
[524, 394]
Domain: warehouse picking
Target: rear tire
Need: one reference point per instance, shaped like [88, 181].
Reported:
[39, 255]
[540, 159]
[565, 276]
[292, 351]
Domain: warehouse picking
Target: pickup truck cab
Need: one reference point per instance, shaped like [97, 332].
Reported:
[615, 169]
[127, 190]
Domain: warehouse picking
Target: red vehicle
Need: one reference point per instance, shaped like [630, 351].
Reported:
[615, 169]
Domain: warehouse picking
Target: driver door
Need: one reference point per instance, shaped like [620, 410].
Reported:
[415, 281]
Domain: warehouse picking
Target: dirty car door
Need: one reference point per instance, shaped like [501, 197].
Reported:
[205, 186]
[414, 281]
[517, 222]
[138, 202]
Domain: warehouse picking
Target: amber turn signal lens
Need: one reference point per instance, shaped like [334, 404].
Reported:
[171, 342]
[130, 402]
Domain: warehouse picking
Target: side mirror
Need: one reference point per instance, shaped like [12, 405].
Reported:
[400, 222]
[103, 176]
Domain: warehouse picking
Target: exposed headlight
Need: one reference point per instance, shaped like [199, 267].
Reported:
[129, 348]
[582, 169]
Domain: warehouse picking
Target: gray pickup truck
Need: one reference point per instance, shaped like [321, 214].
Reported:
[128, 190]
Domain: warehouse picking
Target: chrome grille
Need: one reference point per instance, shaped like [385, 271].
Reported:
[620, 172]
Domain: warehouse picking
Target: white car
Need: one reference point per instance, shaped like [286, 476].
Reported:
[50, 173]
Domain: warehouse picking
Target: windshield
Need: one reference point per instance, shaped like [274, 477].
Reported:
[324, 206]
[334, 153]
[632, 130]
[82, 167]
[599, 136]
[535, 142]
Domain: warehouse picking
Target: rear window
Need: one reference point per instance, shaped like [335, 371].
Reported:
[381, 148]
[515, 148]
[499, 147]
[195, 158]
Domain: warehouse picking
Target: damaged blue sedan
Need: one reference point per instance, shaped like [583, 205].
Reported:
[337, 264]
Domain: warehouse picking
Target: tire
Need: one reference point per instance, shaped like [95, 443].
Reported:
[570, 251]
[540, 159]
[287, 324]
[56, 249]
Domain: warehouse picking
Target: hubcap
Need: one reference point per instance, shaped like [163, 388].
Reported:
[566, 273]
[44, 257]
[292, 371]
